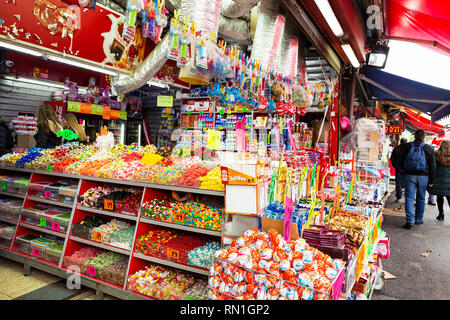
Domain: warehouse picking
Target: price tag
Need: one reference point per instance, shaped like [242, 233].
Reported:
[35, 252]
[97, 236]
[47, 194]
[42, 222]
[55, 226]
[3, 185]
[179, 217]
[49, 168]
[172, 253]
[108, 205]
[91, 271]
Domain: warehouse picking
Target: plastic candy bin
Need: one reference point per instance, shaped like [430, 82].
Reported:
[22, 243]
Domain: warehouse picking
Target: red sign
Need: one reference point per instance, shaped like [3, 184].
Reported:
[393, 129]
[93, 35]
[40, 73]
[60, 108]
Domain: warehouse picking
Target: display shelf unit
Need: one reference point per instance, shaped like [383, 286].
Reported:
[180, 227]
[12, 194]
[108, 213]
[100, 245]
[172, 264]
[78, 212]
[8, 220]
[41, 229]
[56, 203]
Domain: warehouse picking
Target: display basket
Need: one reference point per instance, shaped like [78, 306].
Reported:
[265, 286]
[81, 231]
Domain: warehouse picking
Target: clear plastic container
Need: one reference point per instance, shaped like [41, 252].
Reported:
[21, 185]
[48, 216]
[51, 193]
[63, 221]
[53, 254]
[6, 242]
[22, 243]
[67, 194]
[32, 215]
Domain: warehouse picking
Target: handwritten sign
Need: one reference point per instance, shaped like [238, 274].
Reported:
[55, 226]
[97, 236]
[3, 185]
[91, 271]
[164, 101]
[49, 168]
[42, 222]
[47, 195]
[172, 253]
[108, 205]
[35, 252]
[179, 217]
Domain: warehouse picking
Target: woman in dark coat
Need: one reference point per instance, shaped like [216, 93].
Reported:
[47, 127]
[441, 183]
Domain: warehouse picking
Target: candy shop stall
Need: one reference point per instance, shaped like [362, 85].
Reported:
[253, 198]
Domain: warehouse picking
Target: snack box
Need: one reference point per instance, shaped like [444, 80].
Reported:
[22, 243]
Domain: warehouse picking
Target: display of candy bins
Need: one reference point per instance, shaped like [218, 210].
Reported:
[202, 257]
[83, 229]
[190, 178]
[190, 213]
[160, 283]
[77, 259]
[177, 249]
[123, 238]
[264, 266]
[150, 244]
[94, 266]
[212, 180]
[103, 232]
[117, 272]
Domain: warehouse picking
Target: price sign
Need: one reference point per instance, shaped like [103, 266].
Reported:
[73, 106]
[47, 194]
[164, 101]
[108, 205]
[393, 129]
[3, 185]
[55, 226]
[35, 252]
[49, 168]
[91, 271]
[179, 217]
[172, 253]
[97, 236]
[42, 222]
[97, 109]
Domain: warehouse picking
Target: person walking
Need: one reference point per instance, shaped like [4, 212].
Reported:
[47, 127]
[441, 183]
[418, 161]
[399, 173]
[431, 196]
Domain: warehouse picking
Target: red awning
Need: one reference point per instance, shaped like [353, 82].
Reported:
[422, 21]
[420, 122]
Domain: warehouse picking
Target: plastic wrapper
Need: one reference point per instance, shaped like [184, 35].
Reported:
[268, 33]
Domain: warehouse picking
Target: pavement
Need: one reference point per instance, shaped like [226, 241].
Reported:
[420, 275]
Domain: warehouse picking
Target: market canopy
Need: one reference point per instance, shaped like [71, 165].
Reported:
[414, 121]
[408, 93]
[426, 22]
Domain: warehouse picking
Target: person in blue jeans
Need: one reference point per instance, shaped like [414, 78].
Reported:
[418, 162]
[399, 173]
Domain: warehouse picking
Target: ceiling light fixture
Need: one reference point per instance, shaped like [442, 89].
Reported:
[330, 17]
[351, 55]
[8, 45]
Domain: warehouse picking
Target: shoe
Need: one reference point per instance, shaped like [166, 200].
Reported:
[440, 217]
[431, 203]
[397, 201]
[418, 222]
[407, 225]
